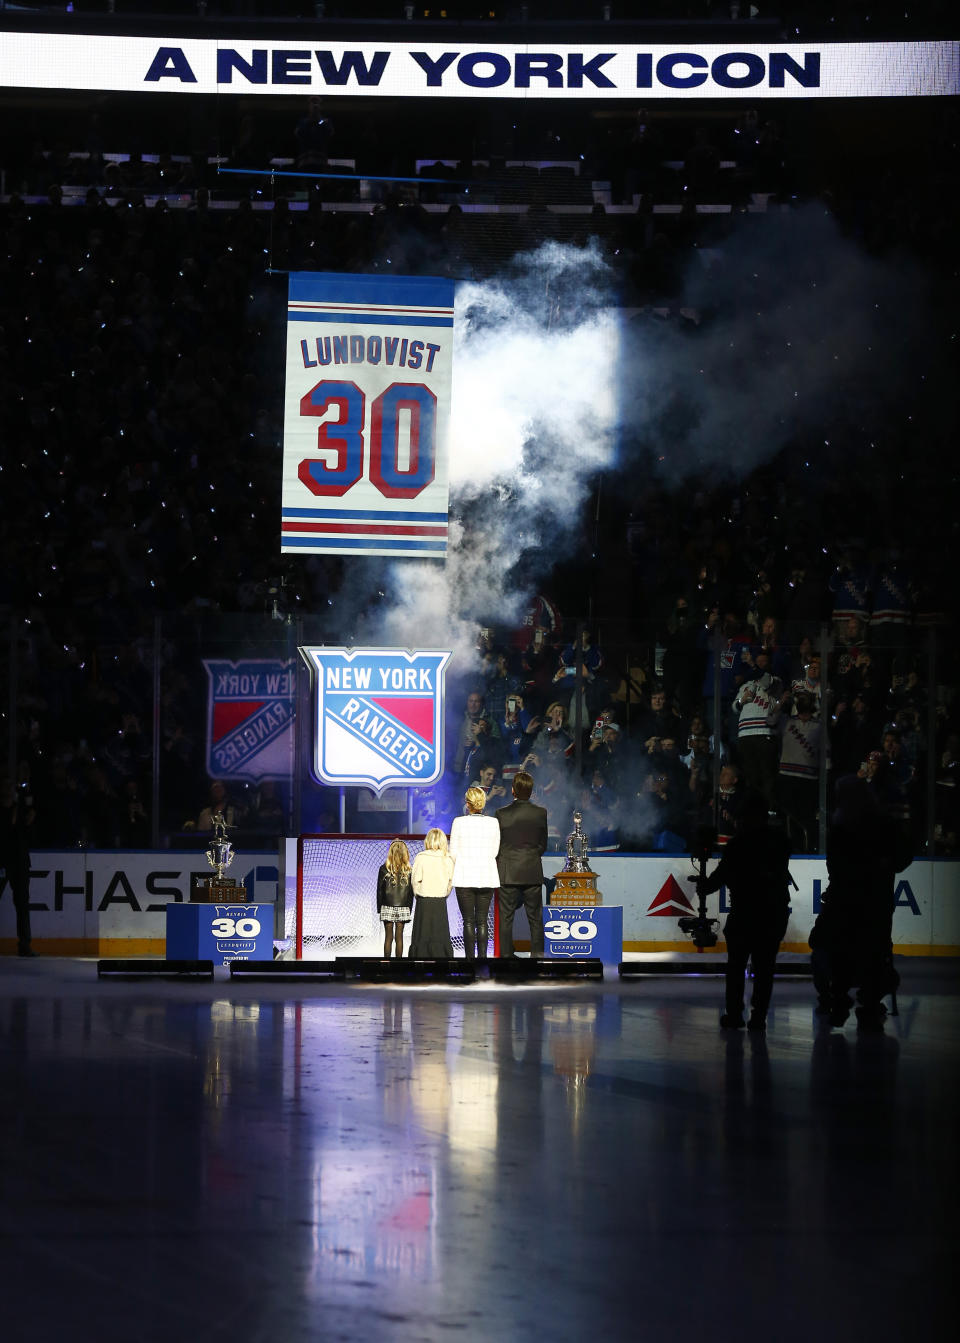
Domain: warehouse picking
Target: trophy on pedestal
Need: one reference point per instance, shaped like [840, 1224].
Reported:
[220, 855]
[576, 884]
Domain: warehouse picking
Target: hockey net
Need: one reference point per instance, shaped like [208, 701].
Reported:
[336, 906]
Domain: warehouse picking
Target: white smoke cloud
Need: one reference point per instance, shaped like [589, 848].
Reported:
[786, 327]
[790, 326]
[534, 416]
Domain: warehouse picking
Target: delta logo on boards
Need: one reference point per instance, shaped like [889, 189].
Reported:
[670, 902]
[378, 716]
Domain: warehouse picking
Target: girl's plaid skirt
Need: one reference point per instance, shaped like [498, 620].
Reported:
[395, 914]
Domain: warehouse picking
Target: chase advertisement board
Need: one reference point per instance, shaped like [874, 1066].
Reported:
[378, 716]
[94, 902]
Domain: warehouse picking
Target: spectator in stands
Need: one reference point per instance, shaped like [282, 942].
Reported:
[851, 662]
[133, 823]
[854, 734]
[662, 719]
[219, 805]
[799, 772]
[553, 775]
[125, 393]
[493, 787]
[553, 731]
[699, 741]
[538, 664]
[666, 813]
[601, 808]
[727, 666]
[669, 762]
[897, 782]
[517, 730]
[268, 813]
[608, 754]
[802, 599]
[810, 682]
[98, 810]
[699, 764]
[729, 803]
[906, 723]
[906, 692]
[758, 703]
[778, 655]
[682, 660]
[501, 683]
[850, 585]
[630, 693]
[591, 694]
[893, 600]
[477, 737]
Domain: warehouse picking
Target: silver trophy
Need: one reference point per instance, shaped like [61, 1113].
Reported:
[219, 851]
[578, 853]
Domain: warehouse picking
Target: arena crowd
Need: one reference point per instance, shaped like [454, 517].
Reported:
[141, 400]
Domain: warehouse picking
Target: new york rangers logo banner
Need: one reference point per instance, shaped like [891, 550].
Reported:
[379, 715]
[366, 414]
[249, 718]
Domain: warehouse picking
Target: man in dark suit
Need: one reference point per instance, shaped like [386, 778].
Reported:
[523, 840]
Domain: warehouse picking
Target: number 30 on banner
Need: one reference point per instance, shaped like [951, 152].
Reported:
[343, 438]
[235, 927]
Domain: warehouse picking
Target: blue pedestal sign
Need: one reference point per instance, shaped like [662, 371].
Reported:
[595, 932]
[220, 933]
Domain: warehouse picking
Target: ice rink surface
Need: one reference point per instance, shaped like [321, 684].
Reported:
[190, 1161]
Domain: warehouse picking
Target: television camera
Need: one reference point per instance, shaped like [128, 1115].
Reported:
[698, 927]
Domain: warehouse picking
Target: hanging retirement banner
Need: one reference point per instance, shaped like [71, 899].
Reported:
[366, 413]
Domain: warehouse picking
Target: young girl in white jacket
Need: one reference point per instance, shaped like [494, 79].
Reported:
[432, 881]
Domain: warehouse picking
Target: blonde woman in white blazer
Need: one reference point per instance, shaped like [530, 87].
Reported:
[474, 844]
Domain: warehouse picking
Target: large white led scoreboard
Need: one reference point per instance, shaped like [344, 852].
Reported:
[460, 70]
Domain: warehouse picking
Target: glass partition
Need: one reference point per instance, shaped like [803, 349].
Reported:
[130, 729]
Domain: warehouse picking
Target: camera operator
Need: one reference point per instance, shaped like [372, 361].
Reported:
[755, 870]
[851, 940]
[17, 816]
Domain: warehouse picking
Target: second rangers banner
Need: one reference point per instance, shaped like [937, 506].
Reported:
[367, 406]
